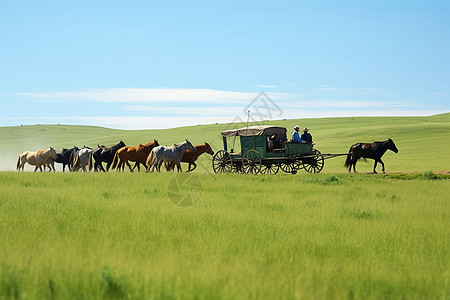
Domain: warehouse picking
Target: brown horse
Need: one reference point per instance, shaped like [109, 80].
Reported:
[38, 158]
[191, 156]
[373, 151]
[138, 154]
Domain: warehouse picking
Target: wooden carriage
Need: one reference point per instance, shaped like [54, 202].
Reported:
[266, 150]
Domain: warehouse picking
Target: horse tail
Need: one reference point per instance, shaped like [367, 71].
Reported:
[114, 163]
[150, 159]
[349, 160]
[90, 161]
[18, 162]
[75, 163]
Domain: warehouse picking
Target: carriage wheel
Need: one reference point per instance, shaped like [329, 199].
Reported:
[298, 164]
[270, 169]
[251, 162]
[222, 162]
[237, 168]
[314, 164]
[288, 168]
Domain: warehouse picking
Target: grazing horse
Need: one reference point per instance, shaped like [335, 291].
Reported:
[373, 150]
[137, 154]
[104, 154]
[82, 159]
[38, 158]
[162, 154]
[191, 156]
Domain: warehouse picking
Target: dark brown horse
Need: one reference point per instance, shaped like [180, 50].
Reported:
[138, 154]
[373, 151]
[191, 156]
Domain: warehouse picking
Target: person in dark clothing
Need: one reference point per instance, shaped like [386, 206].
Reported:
[306, 136]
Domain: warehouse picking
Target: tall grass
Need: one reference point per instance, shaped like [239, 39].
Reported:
[118, 236]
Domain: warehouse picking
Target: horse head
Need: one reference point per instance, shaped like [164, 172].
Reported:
[53, 153]
[391, 146]
[209, 150]
[189, 146]
[156, 143]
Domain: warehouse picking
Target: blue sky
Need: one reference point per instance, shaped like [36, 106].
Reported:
[160, 64]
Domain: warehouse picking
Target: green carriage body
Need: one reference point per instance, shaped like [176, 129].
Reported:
[268, 145]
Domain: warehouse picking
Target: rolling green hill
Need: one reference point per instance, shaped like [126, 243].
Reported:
[423, 142]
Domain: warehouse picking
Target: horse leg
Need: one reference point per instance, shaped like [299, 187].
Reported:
[129, 166]
[382, 165]
[179, 167]
[159, 165]
[375, 166]
[108, 165]
[35, 168]
[195, 166]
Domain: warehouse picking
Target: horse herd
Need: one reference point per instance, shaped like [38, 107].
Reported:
[150, 155]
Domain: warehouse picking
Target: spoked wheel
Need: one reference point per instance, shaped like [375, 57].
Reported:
[314, 164]
[237, 168]
[298, 164]
[270, 169]
[251, 162]
[222, 162]
[288, 168]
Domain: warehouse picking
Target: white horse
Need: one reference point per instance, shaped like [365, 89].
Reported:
[38, 158]
[173, 154]
[82, 159]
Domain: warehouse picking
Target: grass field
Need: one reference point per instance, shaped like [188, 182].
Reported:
[307, 236]
[105, 236]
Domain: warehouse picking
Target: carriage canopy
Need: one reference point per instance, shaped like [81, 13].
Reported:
[279, 132]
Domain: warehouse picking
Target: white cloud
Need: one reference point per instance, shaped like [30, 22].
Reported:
[161, 95]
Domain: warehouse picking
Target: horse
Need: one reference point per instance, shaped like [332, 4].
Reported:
[104, 154]
[191, 156]
[373, 151]
[63, 157]
[82, 159]
[168, 154]
[37, 159]
[137, 154]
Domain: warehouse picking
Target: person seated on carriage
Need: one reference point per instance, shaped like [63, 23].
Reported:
[306, 136]
[296, 135]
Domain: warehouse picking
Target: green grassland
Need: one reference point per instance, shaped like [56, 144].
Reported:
[307, 236]
[117, 236]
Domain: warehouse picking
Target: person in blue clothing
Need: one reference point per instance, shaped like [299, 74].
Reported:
[296, 135]
[306, 136]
